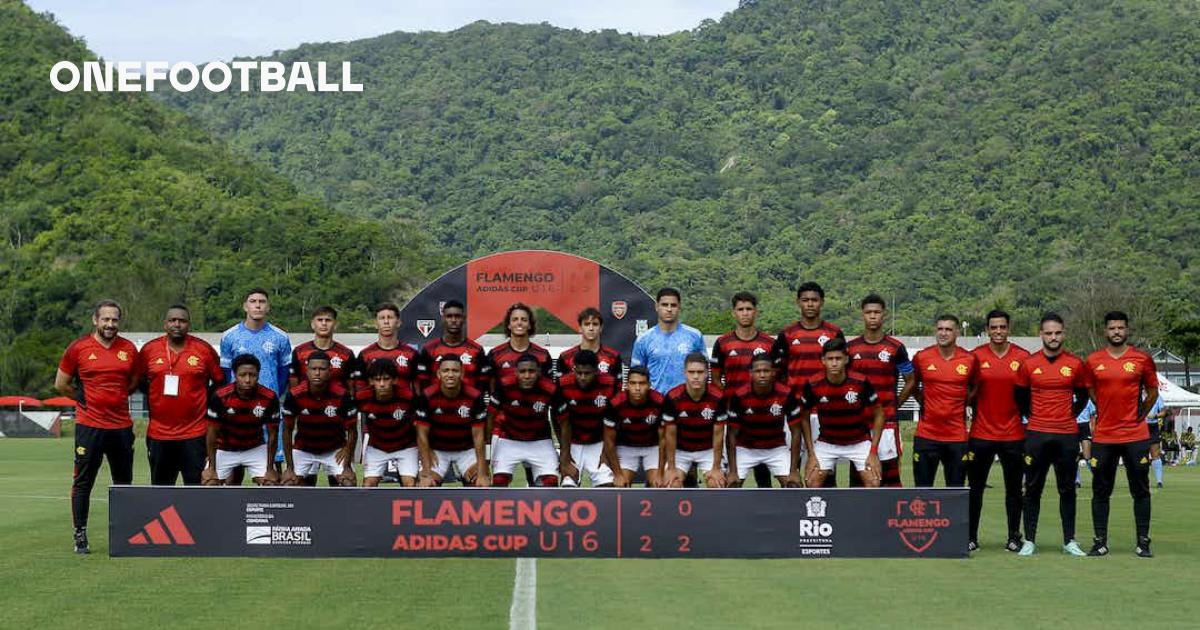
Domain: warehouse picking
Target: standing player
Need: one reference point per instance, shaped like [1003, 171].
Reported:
[661, 349]
[946, 375]
[267, 343]
[733, 351]
[582, 402]
[519, 327]
[591, 323]
[388, 410]
[388, 346]
[475, 371]
[177, 370]
[759, 414]
[341, 358]
[851, 420]
[99, 370]
[319, 419]
[996, 429]
[524, 401]
[1052, 388]
[632, 431]
[797, 349]
[1124, 386]
[882, 359]
[239, 413]
[694, 426]
[451, 425]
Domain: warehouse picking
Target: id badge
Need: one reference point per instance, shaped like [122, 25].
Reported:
[171, 385]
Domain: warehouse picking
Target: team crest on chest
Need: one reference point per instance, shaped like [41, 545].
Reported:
[269, 347]
[539, 406]
[258, 411]
[600, 401]
[822, 339]
[776, 409]
[1128, 366]
[1014, 366]
[465, 358]
[336, 362]
[603, 366]
[1065, 370]
[961, 369]
[885, 356]
[464, 411]
[331, 411]
[398, 414]
[708, 413]
[122, 355]
[402, 361]
[193, 360]
[851, 396]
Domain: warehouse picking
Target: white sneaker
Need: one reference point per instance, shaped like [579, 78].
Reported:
[1027, 549]
[1073, 549]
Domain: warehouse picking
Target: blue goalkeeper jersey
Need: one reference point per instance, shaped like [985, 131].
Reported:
[270, 345]
[663, 353]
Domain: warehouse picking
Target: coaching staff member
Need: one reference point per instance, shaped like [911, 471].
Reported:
[99, 370]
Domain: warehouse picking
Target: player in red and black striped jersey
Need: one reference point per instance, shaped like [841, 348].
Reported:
[580, 405]
[99, 370]
[591, 323]
[882, 359]
[633, 431]
[524, 401]
[996, 429]
[451, 428]
[733, 351]
[797, 349]
[237, 414]
[1052, 388]
[694, 426]
[341, 359]
[319, 427]
[519, 327]
[388, 346]
[388, 409]
[476, 370]
[945, 374]
[850, 417]
[759, 414]
[1124, 388]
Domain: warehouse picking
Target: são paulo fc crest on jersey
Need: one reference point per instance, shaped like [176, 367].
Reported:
[619, 308]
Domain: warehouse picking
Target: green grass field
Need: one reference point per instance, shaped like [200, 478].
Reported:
[45, 585]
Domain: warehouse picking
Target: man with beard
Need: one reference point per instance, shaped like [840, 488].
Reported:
[1124, 388]
[99, 370]
[1052, 388]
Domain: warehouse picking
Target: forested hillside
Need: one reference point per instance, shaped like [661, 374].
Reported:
[116, 195]
[950, 154]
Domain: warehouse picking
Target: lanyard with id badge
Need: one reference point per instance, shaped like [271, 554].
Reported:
[170, 379]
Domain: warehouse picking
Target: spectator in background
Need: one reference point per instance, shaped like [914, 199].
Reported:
[1187, 442]
[1153, 419]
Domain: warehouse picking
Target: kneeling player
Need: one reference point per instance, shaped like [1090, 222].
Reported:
[759, 413]
[632, 431]
[849, 417]
[523, 401]
[694, 426]
[319, 427]
[237, 413]
[387, 409]
[451, 422]
[582, 402]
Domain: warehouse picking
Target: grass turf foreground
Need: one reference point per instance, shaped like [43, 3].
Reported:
[46, 585]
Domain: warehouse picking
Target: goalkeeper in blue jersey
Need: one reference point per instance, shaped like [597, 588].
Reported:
[270, 345]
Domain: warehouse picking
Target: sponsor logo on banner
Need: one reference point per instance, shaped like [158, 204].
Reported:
[165, 529]
[262, 527]
[619, 308]
[918, 522]
[258, 535]
[815, 533]
[425, 326]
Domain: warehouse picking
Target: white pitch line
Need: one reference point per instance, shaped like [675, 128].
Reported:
[523, 614]
[38, 496]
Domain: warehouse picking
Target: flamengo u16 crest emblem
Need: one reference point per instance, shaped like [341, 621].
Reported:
[425, 326]
[918, 522]
[619, 308]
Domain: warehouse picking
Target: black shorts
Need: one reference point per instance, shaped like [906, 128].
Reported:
[1155, 433]
[1085, 431]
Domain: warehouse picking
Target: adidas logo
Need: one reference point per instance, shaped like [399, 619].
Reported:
[153, 532]
[824, 399]
[733, 353]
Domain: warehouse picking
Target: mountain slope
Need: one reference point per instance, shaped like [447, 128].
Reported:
[948, 154]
